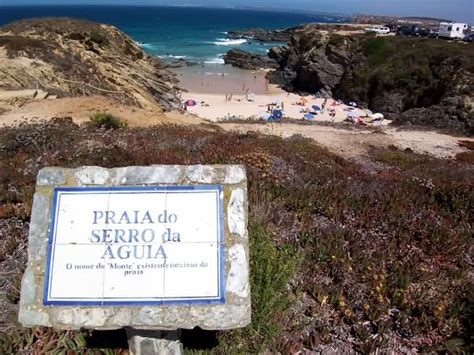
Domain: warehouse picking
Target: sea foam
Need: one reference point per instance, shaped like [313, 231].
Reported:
[229, 42]
[146, 45]
[217, 60]
[172, 56]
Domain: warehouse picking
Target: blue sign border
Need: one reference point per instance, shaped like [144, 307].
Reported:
[220, 299]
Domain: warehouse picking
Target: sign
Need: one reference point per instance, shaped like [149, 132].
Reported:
[135, 245]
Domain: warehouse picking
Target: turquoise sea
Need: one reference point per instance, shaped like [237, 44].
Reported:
[193, 33]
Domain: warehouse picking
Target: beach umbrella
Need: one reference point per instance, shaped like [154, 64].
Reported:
[251, 97]
[308, 116]
[275, 100]
[277, 114]
[353, 104]
[190, 103]
[316, 108]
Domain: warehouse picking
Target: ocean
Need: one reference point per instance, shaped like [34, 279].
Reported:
[193, 33]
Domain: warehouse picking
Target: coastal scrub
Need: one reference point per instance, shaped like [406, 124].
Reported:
[346, 256]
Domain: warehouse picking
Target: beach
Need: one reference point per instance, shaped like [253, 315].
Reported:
[224, 93]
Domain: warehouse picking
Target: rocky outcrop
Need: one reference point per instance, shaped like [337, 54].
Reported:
[311, 63]
[262, 35]
[74, 57]
[286, 35]
[410, 80]
[180, 63]
[246, 60]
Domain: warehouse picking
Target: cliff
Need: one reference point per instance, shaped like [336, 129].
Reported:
[411, 80]
[250, 61]
[285, 35]
[75, 57]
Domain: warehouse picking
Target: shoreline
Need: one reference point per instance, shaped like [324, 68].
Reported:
[253, 97]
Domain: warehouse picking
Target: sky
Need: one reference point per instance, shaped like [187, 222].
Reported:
[459, 10]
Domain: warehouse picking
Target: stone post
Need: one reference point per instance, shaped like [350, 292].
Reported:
[154, 342]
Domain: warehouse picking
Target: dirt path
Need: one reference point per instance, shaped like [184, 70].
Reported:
[352, 143]
[81, 108]
[348, 142]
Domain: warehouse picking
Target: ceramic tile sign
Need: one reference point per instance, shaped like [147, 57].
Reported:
[136, 245]
[158, 247]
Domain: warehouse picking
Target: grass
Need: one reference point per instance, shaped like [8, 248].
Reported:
[343, 258]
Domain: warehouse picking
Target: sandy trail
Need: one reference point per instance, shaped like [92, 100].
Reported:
[347, 141]
[81, 108]
[352, 143]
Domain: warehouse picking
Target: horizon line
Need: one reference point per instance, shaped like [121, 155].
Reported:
[349, 16]
[229, 7]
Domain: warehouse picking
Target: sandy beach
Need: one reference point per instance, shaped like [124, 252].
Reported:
[240, 94]
[208, 87]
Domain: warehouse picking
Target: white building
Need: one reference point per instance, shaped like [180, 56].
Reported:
[452, 30]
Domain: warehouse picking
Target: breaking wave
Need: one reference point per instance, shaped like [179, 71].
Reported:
[172, 56]
[229, 42]
[217, 60]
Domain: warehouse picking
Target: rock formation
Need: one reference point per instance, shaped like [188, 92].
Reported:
[262, 35]
[285, 35]
[246, 60]
[75, 57]
[411, 80]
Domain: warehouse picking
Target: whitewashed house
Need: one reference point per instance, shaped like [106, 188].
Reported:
[453, 30]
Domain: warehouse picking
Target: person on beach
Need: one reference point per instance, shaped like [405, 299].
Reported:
[226, 97]
[230, 97]
[323, 106]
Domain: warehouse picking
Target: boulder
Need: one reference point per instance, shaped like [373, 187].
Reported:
[246, 60]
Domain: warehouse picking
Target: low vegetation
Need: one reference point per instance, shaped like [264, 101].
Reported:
[344, 256]
[432, 77]
[15, 44]
[106, 120]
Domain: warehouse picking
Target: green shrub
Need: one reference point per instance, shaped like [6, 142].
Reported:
[337, 40]
[98, 37]
[107, 120]
[271, 270]
[376, 50]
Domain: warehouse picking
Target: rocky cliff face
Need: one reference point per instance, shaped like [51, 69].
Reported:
[263, 35]
[246, 60]
[418, 81]
[75, 57]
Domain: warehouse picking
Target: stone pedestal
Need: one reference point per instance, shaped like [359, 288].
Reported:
[154, 342]
[234, 312]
